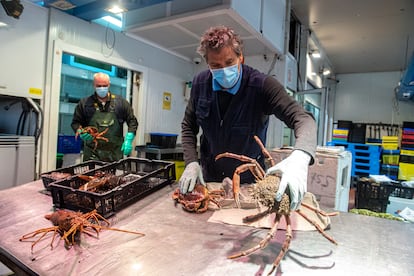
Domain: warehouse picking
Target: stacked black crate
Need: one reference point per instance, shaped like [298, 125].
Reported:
[390, 156]
[358, 133]
[406, 165]
[389, 166]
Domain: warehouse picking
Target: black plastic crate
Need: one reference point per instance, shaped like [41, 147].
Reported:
[357, 133]
[59, 174]
[345, 124]
[390, 170]
[402, 192]
[139, 177]
[163, 140]
[373, 196]
[408, 125]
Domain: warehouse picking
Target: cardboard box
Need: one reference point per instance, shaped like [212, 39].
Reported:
[329, 178]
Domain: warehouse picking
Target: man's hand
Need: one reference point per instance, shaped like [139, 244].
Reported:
[188, 179]
[126, 147]
[294, 173]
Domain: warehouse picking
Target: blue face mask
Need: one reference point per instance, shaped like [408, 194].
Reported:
[102, 91]
[227, 77]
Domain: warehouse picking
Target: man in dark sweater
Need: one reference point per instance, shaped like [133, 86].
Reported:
[231, 102]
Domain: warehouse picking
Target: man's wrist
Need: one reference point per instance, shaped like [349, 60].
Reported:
[302, 155]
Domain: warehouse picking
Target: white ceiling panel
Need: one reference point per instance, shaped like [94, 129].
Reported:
[182, 35]
[361, 35]
[357, 35]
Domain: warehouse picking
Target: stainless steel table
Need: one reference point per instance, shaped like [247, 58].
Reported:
[181, 243]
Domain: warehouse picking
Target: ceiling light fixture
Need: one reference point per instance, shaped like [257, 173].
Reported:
[326, 72]
[116, 9]
[315, 54]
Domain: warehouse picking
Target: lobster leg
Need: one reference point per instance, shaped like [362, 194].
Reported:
[316, 225]
[121, 230]
[96, 217]
[263, 243]
[203, 207]
[285, 246]
[43, 231]
[236, 180]
[323, 213]
[258, 173]
[266, 153]
[253, 166]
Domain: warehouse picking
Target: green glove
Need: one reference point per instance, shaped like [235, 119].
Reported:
[84, 136]
[127, 145]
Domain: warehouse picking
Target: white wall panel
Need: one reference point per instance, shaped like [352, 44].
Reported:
[369, 97]
[22, 53]
[273, 23]
[159, 119]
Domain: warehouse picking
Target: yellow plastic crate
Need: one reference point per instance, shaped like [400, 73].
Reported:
[390, 139]
[390, 159]
[390, 146]
[406, 171]
[179, 168]
[407, 152]
[340, 131]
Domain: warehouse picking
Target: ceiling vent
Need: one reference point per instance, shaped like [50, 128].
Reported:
[62, 5]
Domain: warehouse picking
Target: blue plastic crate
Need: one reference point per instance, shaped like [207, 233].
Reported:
[370, 162]
[68, 144]
[365, 158]
[364, 169]
[365, 150]
[338, 144]
[390, 170]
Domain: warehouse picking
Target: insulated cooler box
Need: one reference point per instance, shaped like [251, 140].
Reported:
[329, 178]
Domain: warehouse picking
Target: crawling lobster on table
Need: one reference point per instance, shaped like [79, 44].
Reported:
[93, 131]
[264, 191]
[69, 225]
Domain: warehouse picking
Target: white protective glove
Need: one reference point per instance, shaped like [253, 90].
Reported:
[188, 179]
[294, 173]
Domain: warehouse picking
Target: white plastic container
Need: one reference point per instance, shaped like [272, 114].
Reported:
[398, 204]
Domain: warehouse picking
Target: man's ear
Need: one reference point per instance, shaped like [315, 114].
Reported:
[242, 59]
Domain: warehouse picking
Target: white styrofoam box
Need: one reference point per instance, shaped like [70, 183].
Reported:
[397, 204]
[329, 178]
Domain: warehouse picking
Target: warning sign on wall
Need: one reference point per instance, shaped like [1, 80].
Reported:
[166, 101]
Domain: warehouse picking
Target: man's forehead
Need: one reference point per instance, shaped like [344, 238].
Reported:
[101, 80]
